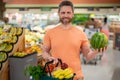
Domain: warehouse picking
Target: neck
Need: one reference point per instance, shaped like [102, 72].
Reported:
[66, 26]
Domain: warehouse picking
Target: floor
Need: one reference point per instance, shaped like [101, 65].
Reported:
[108, 68]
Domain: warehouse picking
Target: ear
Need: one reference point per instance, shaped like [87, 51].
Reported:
[73, 14]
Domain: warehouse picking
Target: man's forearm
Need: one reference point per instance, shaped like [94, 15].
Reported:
[88, 53]
[45, 53]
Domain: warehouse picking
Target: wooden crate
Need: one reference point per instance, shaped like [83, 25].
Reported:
[19, 46]
[4, 71]
[116, 39]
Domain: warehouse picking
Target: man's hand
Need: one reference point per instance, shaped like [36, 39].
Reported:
[46, 54]
[91, 54]
[49, 58]
[54, 59]
[103, 50]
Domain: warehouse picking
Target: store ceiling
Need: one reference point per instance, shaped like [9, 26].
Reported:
[54, 3]
[58, 1]
[31, 6]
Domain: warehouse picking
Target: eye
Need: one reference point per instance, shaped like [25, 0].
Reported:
[62, 12]
[68, 12]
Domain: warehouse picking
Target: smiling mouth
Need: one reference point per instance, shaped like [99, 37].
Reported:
[66, 18]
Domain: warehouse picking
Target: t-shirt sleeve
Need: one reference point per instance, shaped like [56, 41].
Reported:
[46, 40]
[85, 41]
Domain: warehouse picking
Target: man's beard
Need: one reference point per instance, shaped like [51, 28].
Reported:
[65, 20]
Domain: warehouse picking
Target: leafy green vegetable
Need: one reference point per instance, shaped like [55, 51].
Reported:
[35, 71]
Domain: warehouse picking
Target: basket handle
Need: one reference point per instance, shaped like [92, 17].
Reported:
[51, 62]
[59, 62]
[47, 66]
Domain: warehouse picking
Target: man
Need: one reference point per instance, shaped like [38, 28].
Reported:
[66, 41]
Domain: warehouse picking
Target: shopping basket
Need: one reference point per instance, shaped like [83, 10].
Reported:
[50, 77]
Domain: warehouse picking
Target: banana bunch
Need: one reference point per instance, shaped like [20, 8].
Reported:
[13, 30]
[61, 74]
[3, 57]
[19, 54]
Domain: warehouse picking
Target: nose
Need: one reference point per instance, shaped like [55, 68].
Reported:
[65, 15]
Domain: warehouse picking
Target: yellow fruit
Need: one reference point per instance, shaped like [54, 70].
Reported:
[61, 77]
[57, 73]
[67, 71]
[19, 54]
[69, 76]
[15, 54]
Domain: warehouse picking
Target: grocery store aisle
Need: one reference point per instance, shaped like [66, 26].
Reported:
[104, 70]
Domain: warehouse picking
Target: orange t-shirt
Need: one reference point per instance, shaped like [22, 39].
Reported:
[66, 44]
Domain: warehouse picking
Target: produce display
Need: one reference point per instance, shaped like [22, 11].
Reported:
[80, 18]
[19, 54]
[7, 47]
[16, 31]
[99, 40]
[34, 48]
[37, 48]
[33, 38]
[27, 51]
[8, 37]
[33, 41]
[3, 57]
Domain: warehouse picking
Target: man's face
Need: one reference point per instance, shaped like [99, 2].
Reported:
[66, 14]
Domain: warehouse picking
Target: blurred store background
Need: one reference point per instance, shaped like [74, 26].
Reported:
[37, 16]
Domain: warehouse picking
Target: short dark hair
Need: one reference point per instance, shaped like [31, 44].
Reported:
[66, 3]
